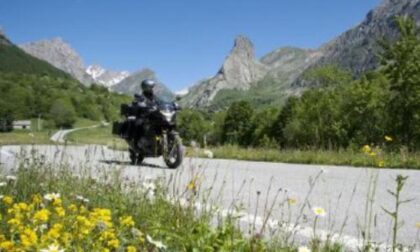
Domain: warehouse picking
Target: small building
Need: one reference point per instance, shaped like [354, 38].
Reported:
[22, 124]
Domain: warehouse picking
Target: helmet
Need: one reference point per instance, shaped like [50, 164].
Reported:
[147, 86]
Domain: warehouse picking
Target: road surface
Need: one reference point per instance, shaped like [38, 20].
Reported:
[342, 191]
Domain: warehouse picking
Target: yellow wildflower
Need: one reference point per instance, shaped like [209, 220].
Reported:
[7, 200]
[6, 246]
[36, 199]
[388, 139]
[381, 163]
[114, 243]
[127, 221]
[42, 215]
[319, 211]
[366, 149]
[54, 232]
[131, 249]
[73, 208]
[418, 225]
[60, 211]
[28, 238]
[291, 201]
[14, 222]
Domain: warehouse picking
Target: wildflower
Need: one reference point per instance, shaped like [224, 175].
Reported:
[114, 243]
[28, 238]
[83, 199]
[10, 178]
[36, 199]
[366, 149]
[60, 211]
[381, 163]
[193, 184]
[389, 139]
[6, 246]
[52, 248]
[208, 153]
[291, 201]
[127, 221]
[157, 244]
[3, 184]
[131, 249]
[304, 249]
[51, 196]
[42, 215]
[54, 232]
[418, 225]
[319, 211]
[7, 200]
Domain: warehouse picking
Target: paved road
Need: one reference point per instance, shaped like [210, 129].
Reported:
[333, 189]
[60, 135]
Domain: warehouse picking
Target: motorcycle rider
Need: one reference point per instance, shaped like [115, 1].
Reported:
[143, 104]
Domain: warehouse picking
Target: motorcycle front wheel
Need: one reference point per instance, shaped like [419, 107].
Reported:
[174, 157]
[135, 158]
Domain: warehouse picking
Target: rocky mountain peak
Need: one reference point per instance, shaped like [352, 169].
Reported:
[241, 68]
[60, 54]
[243, 45]
[239, 71]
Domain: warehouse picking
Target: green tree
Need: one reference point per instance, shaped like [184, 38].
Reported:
[192, 126]
[63, 113]
[401, 64]
[237, 127]
[328, 76]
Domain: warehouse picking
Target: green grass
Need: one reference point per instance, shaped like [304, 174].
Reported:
[344, 157]
[26, 137]
[100, 135]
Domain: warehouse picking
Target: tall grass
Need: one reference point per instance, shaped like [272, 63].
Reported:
[402, 159]
[175, 211]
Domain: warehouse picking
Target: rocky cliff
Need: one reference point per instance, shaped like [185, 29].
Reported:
[239, 71]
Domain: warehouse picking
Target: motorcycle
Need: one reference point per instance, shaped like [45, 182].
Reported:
[155, 136]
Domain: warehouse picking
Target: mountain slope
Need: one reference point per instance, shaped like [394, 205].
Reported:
[15, 60]
[357, 49]
[131, 85]
[61, 55]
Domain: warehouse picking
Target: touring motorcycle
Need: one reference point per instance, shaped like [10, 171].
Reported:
[155, 136]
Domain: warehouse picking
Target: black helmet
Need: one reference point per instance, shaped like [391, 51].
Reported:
[147, 86]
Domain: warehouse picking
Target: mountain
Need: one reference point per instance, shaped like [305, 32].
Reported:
[131, 85]
[357, 49]
[61, 55]
[280, 73]
[105, 77]
[15, 60]
[239, 70]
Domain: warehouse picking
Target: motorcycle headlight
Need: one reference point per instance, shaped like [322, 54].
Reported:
[168, 114]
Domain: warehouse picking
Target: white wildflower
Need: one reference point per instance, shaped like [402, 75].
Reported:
[3, 184]
[52, 248]
[304, 249]
[208, 153]
[81, 198]
[319, 211]
[157, 244]
[11, 178]
[51, 196]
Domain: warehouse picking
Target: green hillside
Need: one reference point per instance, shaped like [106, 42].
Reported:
[31, 88]
[15, 60]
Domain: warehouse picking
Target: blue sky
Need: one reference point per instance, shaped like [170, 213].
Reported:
[183, 41]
